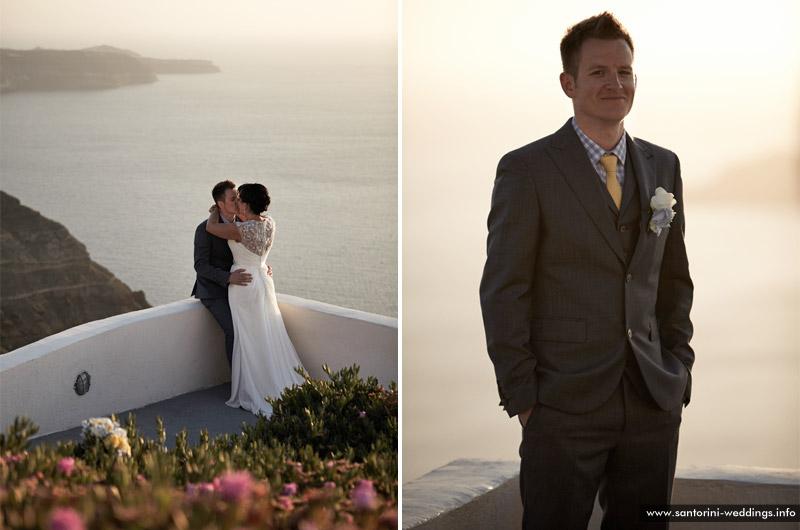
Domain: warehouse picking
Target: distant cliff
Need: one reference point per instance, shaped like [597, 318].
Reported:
[163, 66]
[93, 68]
[69, 70]
[48, 282]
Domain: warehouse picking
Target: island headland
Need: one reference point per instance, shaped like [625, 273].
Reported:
[48, 282]
[99, 67]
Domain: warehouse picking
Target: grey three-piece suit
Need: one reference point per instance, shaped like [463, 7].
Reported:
[585, 309]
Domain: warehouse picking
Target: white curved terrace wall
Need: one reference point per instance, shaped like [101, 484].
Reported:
[151, 355]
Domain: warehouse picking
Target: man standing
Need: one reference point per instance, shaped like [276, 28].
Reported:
[213, 261]
[586, 296]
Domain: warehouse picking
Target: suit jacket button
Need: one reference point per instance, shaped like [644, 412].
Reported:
[623, 228]
[628, 278]
[630, 333]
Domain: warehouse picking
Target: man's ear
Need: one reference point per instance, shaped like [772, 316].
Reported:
[567, 84]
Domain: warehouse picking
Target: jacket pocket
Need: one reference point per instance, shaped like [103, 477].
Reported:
[559, 330]
[653, 330]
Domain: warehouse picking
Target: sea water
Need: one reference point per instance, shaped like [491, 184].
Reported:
[129, 171]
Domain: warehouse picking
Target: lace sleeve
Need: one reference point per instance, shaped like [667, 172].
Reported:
[269, 229]
[252, 236]
[257, 235]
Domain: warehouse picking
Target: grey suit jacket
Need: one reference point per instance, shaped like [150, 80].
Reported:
[212, 262]
[563, 305]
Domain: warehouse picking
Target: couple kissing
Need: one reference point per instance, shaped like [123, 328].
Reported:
[235, 284]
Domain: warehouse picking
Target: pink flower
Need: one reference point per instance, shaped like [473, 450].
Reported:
[290, 489]
[329, 485]
[285, 503]
[364, 496]
[65, 519]
[236, 486]
[362, 414]
[66, 465]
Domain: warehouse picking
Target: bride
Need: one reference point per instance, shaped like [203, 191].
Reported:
[263, 356]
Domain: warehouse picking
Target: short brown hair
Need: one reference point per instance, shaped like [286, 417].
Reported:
[603, 26]
[219, 190]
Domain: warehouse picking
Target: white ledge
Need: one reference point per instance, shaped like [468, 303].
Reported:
[755, 475]
[71, 336]
[147, 356]
[451, 486]
[344, 312]
[478, 494]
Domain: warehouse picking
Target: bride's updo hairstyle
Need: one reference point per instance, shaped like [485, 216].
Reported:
[255, 196]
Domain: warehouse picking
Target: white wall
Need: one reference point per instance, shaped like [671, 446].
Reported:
[147, 356]
[339, 337]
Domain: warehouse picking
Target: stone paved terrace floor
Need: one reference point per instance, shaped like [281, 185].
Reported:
[203, 409]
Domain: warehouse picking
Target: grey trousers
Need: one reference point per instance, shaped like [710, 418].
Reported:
[625, 450]
[221, 311]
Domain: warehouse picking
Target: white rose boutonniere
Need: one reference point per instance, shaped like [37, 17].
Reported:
[661, 203]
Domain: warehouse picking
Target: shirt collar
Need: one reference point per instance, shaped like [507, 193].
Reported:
[595, 152]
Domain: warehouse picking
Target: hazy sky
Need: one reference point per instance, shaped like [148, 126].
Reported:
[704, 71]
[181, 27]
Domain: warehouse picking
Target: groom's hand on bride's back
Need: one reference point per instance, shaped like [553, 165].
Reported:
[239, 277]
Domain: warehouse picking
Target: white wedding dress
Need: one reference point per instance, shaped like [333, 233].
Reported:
[263, 355]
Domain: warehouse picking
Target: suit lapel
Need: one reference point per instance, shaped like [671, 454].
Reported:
[644, 165]
[569, 155]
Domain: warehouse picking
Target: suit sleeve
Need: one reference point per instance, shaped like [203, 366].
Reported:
[675, 290]
[202, 257]
[507, 284]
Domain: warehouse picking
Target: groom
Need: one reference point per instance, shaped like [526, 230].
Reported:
[213, 261]
[586, 296]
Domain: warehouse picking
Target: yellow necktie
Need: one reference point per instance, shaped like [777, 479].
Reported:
[609, 162]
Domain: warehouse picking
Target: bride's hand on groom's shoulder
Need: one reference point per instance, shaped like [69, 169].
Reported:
[269, 271]
[214, 207]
